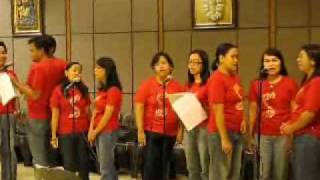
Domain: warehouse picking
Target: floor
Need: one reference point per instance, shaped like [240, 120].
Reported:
[26, 173]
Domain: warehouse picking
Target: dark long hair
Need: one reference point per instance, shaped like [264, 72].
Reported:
[313, 52]
[79, 85]
[205, 73]
[112, 78]
[277, 53]
[222, 49]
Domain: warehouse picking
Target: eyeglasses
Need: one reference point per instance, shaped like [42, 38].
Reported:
[195, 62]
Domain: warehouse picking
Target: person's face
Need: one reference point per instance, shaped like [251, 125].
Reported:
[100, 73]
[36, 54]
[74, 73]
[3, 56]
[230, 60]
[162, 68]
[272, 64]
[305, 64]
[195, 64]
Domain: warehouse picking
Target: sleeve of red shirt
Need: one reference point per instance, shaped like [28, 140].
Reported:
[216, 90]
[55, 97]
[253, 92]
[141, 93]
[38, 79]
[114, 96]
[312, 101]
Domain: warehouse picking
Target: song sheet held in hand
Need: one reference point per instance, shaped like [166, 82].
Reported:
[188, 109]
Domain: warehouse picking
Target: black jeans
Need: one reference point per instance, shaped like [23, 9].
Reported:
[75, 153]
[157, 156]
[9, 159]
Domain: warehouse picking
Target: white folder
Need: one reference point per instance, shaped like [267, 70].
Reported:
[188, 109]
[6, 88]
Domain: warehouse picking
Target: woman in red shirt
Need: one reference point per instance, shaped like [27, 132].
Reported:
[7, 125]
[196, 139]
[278, 93]
[158, 125]
[305, 118]
[105, 121]
[70, 105]
[226, 122]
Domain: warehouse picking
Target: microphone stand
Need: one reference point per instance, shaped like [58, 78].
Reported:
[164, 86]
[258, 120]
[74, 123]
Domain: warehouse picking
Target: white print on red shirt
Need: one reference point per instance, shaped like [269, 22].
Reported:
[237, 89]
[266, 98]
[159, 110]
[73, 101]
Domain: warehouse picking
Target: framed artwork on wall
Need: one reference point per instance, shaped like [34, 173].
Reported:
[212, 14]
[27, 18]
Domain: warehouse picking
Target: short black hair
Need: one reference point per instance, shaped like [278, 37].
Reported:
[4, 46]
[277, 53]
[45, 42]
[156, 58]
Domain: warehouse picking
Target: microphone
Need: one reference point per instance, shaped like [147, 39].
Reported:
[264, 72]
[5, 67]
[72, 83]
[169, 77]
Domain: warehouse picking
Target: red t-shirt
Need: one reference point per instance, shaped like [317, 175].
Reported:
[226, 90]
[276, 103]
[10, 107]
[44, 76]
[308, 99]
[111, 97]
[71, 119]
[201, 92]
[150, 93]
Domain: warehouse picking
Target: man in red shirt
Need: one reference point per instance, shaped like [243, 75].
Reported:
[45, 73]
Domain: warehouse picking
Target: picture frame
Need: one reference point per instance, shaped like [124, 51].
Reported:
[27, 17]
[214, 14]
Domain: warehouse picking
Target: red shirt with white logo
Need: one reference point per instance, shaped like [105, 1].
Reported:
[44, 76]
[308, 99]
[72, 119]
[10, 107]
[111, 97]
[150, 93]
[276, 103]
[202, 94]
[226, 90]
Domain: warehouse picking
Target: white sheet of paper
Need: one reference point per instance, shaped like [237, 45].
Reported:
[188, 108]
[6, 88]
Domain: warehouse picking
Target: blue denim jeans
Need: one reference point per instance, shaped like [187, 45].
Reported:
[105, 144]
[38, 132]
[274, 158]
[197, 156]
[223, 167]
[306, 157]
[8, 155]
